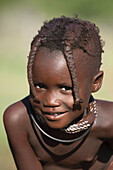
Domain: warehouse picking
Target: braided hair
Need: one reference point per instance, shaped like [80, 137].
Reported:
[66, 34]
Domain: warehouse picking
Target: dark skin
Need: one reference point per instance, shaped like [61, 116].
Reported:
[34, 151]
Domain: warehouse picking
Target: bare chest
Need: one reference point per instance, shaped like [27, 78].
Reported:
[77, 155]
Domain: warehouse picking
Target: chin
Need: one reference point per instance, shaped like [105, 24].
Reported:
[56, 124]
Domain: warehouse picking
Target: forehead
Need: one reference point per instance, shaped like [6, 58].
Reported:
[54, 60]
[45, 54]
[85, 63]
[45, 58]
[50, 63]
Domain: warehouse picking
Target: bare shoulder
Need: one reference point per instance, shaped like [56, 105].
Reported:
[104, 122]
[15, 117]
[106, 106]
[18, 128]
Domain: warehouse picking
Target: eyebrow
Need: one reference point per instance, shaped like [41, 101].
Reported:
[64, 84]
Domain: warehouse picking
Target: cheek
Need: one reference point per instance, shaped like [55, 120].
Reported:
[68, 101]
[85, 92]
[35, 105]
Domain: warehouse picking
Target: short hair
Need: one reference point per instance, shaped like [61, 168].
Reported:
[66, 34]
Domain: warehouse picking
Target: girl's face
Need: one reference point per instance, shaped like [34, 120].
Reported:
[53, 85]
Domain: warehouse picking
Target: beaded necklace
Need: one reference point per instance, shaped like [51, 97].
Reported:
[85, 122]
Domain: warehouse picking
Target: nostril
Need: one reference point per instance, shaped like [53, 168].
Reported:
[51, 99]
[52, 103]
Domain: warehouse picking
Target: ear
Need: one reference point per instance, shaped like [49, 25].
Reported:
[97, 81]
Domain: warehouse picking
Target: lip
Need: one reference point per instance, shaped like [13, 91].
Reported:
[54, 116]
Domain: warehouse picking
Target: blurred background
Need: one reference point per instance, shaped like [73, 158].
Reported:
[19, 23]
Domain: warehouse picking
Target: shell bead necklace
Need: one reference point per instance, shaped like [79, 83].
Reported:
[85, 122]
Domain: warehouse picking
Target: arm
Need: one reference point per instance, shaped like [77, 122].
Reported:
[111, 166]
[16, 125]
[110, 142]
[109, 138]
[105, 130]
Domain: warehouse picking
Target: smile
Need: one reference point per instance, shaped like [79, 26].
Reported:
[53, 114]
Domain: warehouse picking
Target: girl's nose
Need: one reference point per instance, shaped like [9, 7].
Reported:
[51, 99]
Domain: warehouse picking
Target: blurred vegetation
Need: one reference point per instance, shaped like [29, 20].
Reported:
[20, 21]
[85, 8]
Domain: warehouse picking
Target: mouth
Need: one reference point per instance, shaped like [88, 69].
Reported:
[54, 116]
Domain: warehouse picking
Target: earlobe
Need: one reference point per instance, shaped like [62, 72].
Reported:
[97, 81]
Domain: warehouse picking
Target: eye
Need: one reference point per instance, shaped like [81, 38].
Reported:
[40, 86]
[66, 88]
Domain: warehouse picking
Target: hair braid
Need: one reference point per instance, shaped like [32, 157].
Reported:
[72, 69]
[34, 49]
